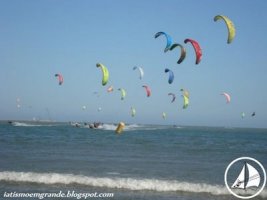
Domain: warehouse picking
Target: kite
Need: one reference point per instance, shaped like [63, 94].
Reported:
[133, 111]
[185, 92]
[197, 49]
[227, 96]
[110, 89]
[141, 71]
[164, 115]
[173, 97]
[171, 75]
[104, 72]
[60, 78]
[123, 93]
[168, 39]
[230, 27]
[183, 52]
[148, 91]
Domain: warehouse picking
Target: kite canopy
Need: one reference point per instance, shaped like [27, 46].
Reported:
[123, 93]
[227, 97]
[230, 26]
[133, 111]
[173, 96]
[104, 72]
[110, 89]
[148, 91]
[60, 78]
[185, 96]
[183, 52]
[141, 71]
[171, 75]
[185, 92]
[197, 49]
[186, 101]
[168, 40]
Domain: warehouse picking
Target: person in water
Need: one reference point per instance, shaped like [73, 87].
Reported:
[95, 125]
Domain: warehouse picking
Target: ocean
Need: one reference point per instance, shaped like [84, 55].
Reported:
[145, 162]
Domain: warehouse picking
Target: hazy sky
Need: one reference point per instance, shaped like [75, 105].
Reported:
[41, 38]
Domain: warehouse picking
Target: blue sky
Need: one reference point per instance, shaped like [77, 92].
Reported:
[41, 38]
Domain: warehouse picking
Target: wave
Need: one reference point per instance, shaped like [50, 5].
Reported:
[29, 124]
[113, 127]
[116, 182]
[134, 127]
[109, 127]
[128, 127]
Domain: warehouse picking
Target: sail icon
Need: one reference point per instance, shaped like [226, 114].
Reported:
[248, 177]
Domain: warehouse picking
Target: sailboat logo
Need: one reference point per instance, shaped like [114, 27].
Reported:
[248, 177]
[251, 179]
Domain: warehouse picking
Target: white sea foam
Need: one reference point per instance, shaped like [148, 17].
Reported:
[29, 124]
[112, 127]
[109, 127]
[113, 173]
[118, 183]
[24, 124]
[132, 127]
[178, 127]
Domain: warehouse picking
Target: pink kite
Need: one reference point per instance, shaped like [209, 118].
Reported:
[227, 96]
[60, 78]
[148, 91]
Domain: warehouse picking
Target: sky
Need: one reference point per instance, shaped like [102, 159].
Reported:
[41, 38]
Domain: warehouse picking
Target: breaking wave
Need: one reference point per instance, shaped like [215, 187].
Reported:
[133, 127]
[116, 182]
[112, 127]
[29, 124]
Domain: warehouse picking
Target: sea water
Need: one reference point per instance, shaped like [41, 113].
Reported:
[144, 162]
